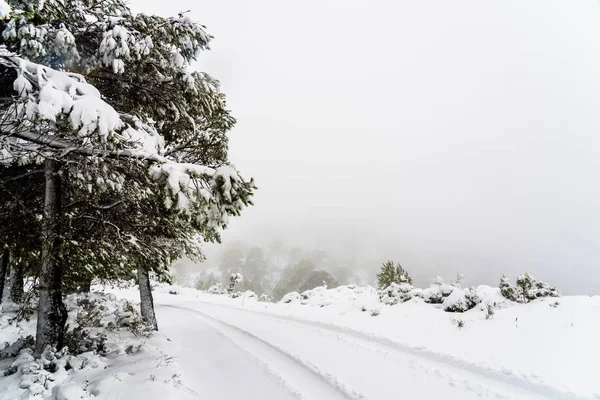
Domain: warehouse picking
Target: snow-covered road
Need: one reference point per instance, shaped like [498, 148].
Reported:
[229, 353]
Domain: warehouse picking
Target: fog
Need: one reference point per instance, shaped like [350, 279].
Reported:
[450, 136]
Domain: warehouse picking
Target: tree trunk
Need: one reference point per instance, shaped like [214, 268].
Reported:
[16, 282]
[52, 313]
[3, 269]
[146, 301]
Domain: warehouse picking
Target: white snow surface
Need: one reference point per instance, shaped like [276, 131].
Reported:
[525, 351]
[5, 9]
[326, 344]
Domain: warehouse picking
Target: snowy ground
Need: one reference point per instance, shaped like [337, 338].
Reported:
[215, 347]
[231, 347]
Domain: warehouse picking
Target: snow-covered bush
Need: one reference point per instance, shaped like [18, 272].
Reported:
[292, 297]
[128, 317]
[459, 323]
[51, 371]
[105, 310]
[249, 294]
[13, 349]
[461, 300]
[352, 295]
[80, 340]
[396, 293]
[437, 292]
[88, 311]
[217, 288]
[320, 296]
[530, 288]
[95, 321]
[526, 289]
[91, 316]
[264, 298]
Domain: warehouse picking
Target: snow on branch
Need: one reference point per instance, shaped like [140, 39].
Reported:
[45, 95]
[57, 114]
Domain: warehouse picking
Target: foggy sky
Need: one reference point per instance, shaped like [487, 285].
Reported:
[452, 136]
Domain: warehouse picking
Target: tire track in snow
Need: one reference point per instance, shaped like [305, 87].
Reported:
[302, 377]
[505, 377]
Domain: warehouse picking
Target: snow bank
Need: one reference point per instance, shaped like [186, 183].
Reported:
[461, 300]
[349, 295]
[114, 352]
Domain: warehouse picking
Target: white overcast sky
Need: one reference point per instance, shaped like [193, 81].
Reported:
[446, 134]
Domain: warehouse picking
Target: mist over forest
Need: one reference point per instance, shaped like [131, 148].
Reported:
[445, 142]
[275, 267]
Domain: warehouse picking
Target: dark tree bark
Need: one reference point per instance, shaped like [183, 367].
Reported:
[146, 300]
[3, 270]
[16, 283]
[52, 313]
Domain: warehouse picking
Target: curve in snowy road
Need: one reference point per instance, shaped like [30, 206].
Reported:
[504, 376]
[276, 374]
[382, 365]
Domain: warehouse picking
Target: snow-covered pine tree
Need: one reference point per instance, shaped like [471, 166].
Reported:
[506, 289]
[526, 289]
[391, 273]
[458, 281]
[169, 130]
[234, 279]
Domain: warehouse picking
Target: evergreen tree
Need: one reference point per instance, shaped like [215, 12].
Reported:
[526, 289]
[391, 273]
[506, 289]
[149, 140]
[234, 279]
[458, 281]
